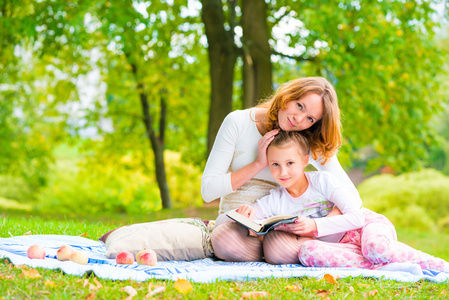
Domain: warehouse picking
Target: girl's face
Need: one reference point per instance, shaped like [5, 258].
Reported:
[287, 164]
[301, 114]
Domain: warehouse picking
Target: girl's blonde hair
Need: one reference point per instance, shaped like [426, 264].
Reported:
[286, 137]
[325, 135]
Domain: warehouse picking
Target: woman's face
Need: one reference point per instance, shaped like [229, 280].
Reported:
[301, 114]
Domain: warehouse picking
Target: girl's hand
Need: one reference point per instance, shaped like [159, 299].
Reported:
[246, 211]
[263, 145]
[303, 226]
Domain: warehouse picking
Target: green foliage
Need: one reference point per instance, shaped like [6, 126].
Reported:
[123, 186]
[15, 188]
[388, 70]
[13, 205]
[382, 56]
[415, 200]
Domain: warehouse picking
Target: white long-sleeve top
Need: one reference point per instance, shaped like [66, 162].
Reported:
[323, 192]
[235, 146]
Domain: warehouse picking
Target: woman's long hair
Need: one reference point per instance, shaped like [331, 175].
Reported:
[325, 135]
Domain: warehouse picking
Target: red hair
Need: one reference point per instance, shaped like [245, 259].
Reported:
[325, 135]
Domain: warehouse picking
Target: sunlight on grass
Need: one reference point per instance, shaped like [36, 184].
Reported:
[15, 283]
[8, 204]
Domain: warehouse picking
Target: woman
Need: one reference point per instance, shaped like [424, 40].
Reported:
[236, 170]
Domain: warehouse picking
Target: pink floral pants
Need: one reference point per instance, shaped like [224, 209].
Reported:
[372, 246]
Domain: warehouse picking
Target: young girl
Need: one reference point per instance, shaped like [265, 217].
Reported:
[369, 239]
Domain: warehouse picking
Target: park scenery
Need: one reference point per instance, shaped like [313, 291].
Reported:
[109, 109]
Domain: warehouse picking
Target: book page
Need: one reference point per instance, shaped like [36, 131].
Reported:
[275, 219]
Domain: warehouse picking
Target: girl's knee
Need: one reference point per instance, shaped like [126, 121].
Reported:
[281, 248]
[378, 251]
[305, 253]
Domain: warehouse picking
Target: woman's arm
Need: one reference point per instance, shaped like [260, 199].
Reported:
[243, 175]
[217, 181]
[333, 166]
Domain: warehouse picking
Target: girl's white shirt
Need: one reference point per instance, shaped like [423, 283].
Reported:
[323, 192]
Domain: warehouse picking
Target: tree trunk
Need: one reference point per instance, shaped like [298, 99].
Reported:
[157, 144]
[257, 68]
[222, 58]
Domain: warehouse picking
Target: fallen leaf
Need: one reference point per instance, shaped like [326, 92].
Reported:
[293, 288]
[183, 286]
[157, 290]
[20, 267]
[130, 291]
[98, 284]
[249, 295]
[323, 293]
[373, 293]
[49, 283]
[27, 233]
[84, 234]
[31, 273]
[351, 288]
[86, 282]
[91, 296]
[329, 278]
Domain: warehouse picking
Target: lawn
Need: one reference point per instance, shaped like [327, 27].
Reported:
[21, 282]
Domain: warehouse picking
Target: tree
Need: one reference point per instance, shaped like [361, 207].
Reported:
[143, 41]
[149, 56]
[222, 57]
[29, 121]
[381, 56]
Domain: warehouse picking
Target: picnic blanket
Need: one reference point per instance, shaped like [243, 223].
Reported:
[204, 270]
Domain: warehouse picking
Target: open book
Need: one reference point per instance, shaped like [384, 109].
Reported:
[261, 227]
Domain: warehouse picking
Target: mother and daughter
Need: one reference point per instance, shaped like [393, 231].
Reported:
[256, 167]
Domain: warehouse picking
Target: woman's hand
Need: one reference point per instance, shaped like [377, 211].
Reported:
[263, 145]
[246, 211]
[302, 226]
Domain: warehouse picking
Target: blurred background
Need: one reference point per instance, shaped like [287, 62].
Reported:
[111, 107]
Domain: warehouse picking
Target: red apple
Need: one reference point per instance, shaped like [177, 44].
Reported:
[124, 258]
[36, 251]
[147, 257]
[64, 252]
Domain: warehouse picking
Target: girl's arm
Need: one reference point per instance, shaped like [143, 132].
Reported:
[343, 197]
[258, 215]
[352, 218]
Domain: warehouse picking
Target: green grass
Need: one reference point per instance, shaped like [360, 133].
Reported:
[14, 283]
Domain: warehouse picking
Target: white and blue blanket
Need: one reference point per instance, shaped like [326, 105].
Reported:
[205, 270]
